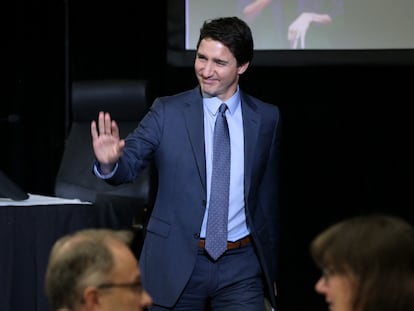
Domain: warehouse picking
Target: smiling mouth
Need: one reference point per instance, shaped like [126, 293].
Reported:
[209, 83]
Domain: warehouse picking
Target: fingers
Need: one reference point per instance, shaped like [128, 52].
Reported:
[94, 131]
[293, 43]
[114, 129]
[121, 146]
[106, 126]
[302, 41]
[101, 122]
[291, 35]
[297, 40]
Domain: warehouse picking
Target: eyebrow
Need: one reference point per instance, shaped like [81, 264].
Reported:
[215, 59]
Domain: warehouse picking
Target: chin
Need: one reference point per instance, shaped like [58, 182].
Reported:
[207, 93]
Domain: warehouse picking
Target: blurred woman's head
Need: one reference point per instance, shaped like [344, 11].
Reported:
[367, 264]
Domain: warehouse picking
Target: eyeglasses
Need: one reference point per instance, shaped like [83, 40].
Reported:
[135, 286]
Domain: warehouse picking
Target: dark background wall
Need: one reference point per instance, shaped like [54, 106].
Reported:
[347, 130]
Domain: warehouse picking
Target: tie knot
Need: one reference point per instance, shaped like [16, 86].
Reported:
[222, 108]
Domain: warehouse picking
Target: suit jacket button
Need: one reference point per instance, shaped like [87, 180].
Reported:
[197, 236]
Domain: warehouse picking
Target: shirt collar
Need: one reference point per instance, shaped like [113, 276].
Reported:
[213, 103]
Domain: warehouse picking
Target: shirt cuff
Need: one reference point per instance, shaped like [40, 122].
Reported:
[104, 176]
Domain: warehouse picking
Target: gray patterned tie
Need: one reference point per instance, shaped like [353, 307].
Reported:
[216, 233]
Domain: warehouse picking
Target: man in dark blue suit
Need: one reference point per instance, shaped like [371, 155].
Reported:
[177, 135]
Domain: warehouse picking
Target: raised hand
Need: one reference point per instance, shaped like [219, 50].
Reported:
[299, 27]
[106, 143]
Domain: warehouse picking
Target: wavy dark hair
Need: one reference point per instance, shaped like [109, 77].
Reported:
[234, 33]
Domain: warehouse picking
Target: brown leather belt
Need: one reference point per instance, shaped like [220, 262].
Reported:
[230, 245]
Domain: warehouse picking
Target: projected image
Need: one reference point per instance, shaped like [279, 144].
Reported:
[312, 24]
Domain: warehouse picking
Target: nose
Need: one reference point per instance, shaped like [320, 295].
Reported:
[320, 286]
[208, 69]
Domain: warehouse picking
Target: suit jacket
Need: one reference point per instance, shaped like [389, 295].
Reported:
[172, 135]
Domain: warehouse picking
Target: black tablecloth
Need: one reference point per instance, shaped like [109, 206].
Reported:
[26, 236]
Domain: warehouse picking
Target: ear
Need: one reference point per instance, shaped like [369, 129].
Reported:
[90, 297]
[243, 68]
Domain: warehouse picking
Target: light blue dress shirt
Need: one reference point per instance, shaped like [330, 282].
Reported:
[237, 227]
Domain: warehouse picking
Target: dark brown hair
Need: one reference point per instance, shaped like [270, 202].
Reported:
[379, 251]
[234, 33]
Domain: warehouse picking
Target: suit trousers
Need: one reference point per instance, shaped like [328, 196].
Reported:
[232, 283]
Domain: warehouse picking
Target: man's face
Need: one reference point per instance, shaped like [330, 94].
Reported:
[217, 70]
[131, 296]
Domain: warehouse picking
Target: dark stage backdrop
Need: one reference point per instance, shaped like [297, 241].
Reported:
[347, 130]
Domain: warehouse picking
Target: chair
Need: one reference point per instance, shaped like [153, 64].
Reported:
[127, 101]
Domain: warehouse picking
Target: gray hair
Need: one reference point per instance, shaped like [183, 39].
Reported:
[78, 260]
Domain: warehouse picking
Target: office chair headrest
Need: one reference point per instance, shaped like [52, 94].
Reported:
[126, 100]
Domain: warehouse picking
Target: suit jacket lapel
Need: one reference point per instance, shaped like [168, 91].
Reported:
[251, 125]
[194, 118]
